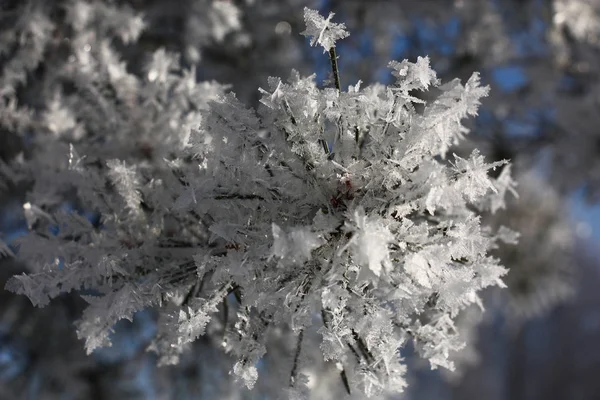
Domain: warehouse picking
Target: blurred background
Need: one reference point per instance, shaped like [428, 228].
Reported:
[538, 339]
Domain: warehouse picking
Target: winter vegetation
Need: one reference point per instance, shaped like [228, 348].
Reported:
[211, 209]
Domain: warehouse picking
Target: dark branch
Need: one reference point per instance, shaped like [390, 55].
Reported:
[294, 373]
[344, 378]
[343, 375]
[334, 68]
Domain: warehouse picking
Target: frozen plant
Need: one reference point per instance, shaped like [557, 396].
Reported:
[329, 207]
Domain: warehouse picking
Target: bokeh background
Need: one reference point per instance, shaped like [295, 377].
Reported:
[538, 339]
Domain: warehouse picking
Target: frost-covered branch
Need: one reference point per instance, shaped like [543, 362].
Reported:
[379, 232]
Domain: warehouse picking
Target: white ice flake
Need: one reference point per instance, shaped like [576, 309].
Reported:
[322, 31]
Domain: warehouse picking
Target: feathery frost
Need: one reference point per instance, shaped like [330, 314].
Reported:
[326, 207]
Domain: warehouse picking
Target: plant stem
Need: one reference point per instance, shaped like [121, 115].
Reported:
[344, 378]
[334, 68]
[343, 374]
[294, 373]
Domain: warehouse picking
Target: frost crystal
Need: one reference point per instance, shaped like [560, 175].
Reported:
[322, 202]
[322, 31]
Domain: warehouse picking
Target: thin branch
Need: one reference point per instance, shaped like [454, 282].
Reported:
[363, 347]
[343, 374]
[334, 68]
[344, 378]
[194, 291]
[294, 372]
[325, 146]
[238, 196]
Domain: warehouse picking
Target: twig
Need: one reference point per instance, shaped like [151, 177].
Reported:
[363, 347]
[343, 374]
[334, 68]
[344, 378]
[294, 372]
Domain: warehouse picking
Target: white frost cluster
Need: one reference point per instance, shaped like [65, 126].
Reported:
[325, 207]
[322, 31]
